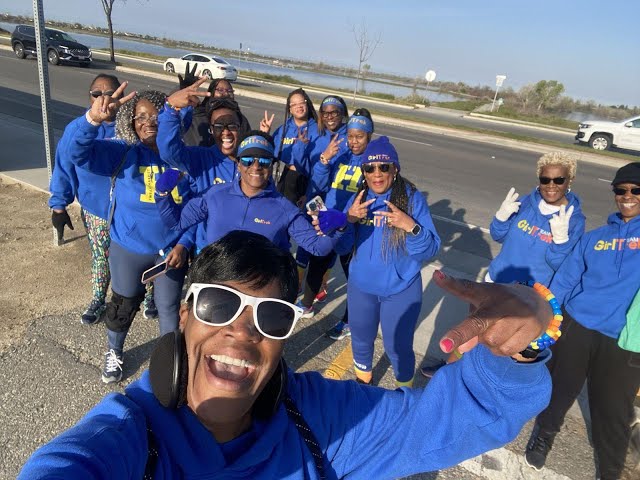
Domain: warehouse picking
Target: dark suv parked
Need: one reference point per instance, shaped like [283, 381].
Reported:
[61, 47]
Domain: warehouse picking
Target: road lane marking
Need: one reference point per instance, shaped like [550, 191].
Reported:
[470, 226]
[410, 141]
[341, 364]
[604, 180]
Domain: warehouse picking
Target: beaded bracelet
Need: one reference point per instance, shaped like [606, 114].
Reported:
[553, 331]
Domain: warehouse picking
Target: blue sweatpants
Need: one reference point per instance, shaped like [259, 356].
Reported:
[126, 269]
[397, 314]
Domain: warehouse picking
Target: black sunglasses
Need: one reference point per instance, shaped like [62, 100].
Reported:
[371, 167]
[220, 127]
[219, 305]
[100, 93]
[548, 180]
[622, 191]
[262, 162]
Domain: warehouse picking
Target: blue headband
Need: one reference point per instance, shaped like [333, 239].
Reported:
[332, 101]
[255, 146]
[359, 122]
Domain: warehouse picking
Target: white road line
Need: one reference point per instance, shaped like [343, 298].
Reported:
[411, 141]
[604, 180]
[503, 464]
[470, 226]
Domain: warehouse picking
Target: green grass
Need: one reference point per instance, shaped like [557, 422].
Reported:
[139, 54]
[273, 78]
[550, 120]
[464, 105]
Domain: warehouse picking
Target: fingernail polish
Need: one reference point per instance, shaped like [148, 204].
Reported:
[446, 344]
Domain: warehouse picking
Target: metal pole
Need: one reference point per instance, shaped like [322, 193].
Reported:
[43, 73]
[494, 98]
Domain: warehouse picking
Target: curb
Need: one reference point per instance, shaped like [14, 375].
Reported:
[537, 126]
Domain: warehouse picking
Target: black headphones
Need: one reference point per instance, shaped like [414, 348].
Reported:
[169, 370]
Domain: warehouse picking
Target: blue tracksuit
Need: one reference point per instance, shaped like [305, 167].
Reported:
[226, 208]
[136, 222]
[68, 182]
[288, 135]
[601, 276]
[338, 181]
[207, 166]
[474, 405]
[528, 251]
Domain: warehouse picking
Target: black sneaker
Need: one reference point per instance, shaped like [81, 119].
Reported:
[537, 449]
[429, 371]
[149, 309]
[112, 371]
[92, 314]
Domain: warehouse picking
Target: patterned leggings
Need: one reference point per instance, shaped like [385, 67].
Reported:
[99, 241]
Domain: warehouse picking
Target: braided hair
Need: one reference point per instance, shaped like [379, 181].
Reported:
[125, 129]
[394, 239]
[345, 111]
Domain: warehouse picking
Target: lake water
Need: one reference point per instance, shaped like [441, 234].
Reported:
[244, 65]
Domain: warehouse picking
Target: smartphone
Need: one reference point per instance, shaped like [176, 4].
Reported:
[154, 272]
[315, 205]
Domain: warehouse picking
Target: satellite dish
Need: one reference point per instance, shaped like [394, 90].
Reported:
[430, 76]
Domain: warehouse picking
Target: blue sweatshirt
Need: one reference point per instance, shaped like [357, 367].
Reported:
[469, 407]
[226, 208]
[68, 182]
[136, 222]
[311, 151]
[601, 276]
[288, 135]
[369, 269]
[207, 166]
[528, 251]
[337, 181]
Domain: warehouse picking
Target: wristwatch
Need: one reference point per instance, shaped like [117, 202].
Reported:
[415, 231]
[323, 159]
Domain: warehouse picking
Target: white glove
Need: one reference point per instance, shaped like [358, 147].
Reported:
[509, 206]
[560, 225]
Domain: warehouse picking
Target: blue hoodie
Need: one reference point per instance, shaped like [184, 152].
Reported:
[597, 282]
[368, 268]
[68, 182]
[339, 180]
[289, 138]
[528, 251]
[469, 407]
[311, 151]
[207, 166]
[226, 208]
[136, 222]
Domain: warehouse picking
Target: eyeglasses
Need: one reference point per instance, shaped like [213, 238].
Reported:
[100, 93]
[219, 305]
[262, 162]
[220, 127]
[224, 91]
[623, 191]
[371, 167]
[301, 104]
[144, 118]
[331, 114]
[548, 180]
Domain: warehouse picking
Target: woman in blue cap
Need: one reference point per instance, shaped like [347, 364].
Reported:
[390, 233]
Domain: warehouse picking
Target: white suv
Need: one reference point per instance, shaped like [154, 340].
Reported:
[604, 135]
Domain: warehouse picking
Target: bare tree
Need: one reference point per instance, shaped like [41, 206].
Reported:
[107, 6]
[366, 46]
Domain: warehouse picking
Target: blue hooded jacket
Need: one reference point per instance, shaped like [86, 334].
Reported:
[226, 208]
[339, 180]
[136, 222]
[288, 135]
[311, 151]
[528, 251]
[597, 282]
[68, 182]
[369, 269]
[469, 407]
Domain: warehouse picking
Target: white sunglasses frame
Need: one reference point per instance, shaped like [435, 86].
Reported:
[245, 300]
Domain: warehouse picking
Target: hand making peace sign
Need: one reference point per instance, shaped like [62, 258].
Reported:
[188, 96]
[106, 106]
[265, 123]
[396, 218]
[358, 210]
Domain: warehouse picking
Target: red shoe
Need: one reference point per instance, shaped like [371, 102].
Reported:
[322, 295]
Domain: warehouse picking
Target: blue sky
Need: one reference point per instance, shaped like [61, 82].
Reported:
[589, 46]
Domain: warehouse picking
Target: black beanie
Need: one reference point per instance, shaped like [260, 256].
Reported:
[630, 173]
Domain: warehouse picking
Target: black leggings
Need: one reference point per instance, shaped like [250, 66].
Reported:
[318, 266]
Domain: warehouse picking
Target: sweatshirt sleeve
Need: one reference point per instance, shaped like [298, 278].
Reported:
[182, 217]
[188, 238]
[319, 181]
[87, 449]
[570, 272]
[63, 185]
[171, 147]
[426, 244]
[556, 254]
[307, 237]
[469, 407]
[499, 229]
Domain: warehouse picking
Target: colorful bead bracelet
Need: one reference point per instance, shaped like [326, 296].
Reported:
[553, 331]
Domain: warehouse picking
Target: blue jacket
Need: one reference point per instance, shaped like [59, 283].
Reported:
[337, 181]
[601, 276]
[469, 407]
[207, 166]
[68, 182]
[311, 151]
[369, 269]
[288, 135]
[528, 251]
[136, 222]
[226, 208]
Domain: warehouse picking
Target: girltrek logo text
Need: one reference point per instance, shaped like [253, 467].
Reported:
[632, 243]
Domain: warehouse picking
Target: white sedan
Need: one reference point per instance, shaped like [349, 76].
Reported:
[208, 66]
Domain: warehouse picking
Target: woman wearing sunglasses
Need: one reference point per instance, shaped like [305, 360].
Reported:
[250, 202]
[596, 285]
[390, 233]
[137, 232]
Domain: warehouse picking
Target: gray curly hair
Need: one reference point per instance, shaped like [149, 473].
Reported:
[559, 159]
[124, 118]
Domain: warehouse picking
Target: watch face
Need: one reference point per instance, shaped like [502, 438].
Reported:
[416, 229]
